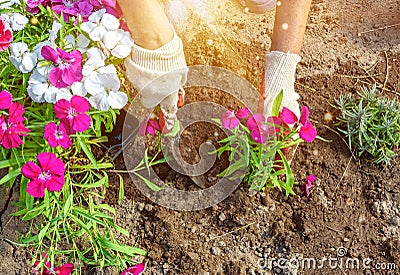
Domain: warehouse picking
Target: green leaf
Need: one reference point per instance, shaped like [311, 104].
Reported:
[175, 130]
[11, 175]
[121, 192]
[289, 175]
[150, 184]
[129, 250]
[87, 151]
[276, 106]
[68, 204]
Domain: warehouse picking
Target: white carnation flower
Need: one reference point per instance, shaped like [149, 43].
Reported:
[22, 58]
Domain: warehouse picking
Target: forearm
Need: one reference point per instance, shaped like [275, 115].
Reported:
[290, 25]
[148, 24]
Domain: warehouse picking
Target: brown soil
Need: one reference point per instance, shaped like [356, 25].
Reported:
[356, 204]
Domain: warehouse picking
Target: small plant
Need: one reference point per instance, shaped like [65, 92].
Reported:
[259, 146]
[371, 124]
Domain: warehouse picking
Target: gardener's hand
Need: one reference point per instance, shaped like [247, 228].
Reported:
[279, 75]
[159, 75]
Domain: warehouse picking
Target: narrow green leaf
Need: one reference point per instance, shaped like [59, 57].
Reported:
[276, 106]
[150, 184]
[87, 151]
[11, 175]
[121, 192]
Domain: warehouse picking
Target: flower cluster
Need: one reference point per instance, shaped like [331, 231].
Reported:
[261, 128]
[78, 63]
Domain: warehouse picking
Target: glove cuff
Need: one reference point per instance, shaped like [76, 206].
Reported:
[144, 66]
[167, 58]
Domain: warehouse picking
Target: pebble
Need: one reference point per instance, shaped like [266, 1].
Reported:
[140, 206]
[203, 272]
[148, 207]
[215, 251]
[222, 217]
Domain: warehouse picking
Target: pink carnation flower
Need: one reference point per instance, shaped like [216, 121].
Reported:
[65, 269]
[57, 135]
[72, 114]
[68, 66]
[49, 174]
[309, 184]
[12, 127]
[134, 270]
[6, 35]
[5, 100]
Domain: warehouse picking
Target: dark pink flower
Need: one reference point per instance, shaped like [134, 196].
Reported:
[49, 174]
[229, 120]
[309, 184]
[5, 100]
[12, 127]
[307, 131]
[32, 6]
[65, 269]
[68, 66]
[134, 270]
[57, 135]
[72, 114]
[149, 126]
[6, 35]
[242, 113]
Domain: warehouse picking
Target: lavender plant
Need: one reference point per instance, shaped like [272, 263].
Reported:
[371, 124]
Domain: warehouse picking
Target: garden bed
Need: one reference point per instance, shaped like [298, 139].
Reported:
[355, 205]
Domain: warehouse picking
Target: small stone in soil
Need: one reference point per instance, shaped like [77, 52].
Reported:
[140, 206]
[148, 207]
[215, 251]
[222, 217]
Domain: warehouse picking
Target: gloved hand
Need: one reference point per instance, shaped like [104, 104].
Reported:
[279, 75]
[159, 75]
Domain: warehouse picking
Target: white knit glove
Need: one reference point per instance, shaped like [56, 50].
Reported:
[159, 75]
[279, 75]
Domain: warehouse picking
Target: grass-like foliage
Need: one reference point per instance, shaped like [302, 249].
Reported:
[371, 123]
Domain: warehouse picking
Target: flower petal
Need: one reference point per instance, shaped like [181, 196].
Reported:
[117, 100]
[5, 100]
[307, 132]
[35, 188]
[304, 115]
[288, 116]
[79, 103]
[30, 170]
[134, 270]
[229, 120]
[242, 113]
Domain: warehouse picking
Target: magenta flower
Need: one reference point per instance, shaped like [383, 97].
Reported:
[72, 114]
[65, 269]
[242, 113]
[149, 126]
[32, 6]
[5, 100]
[307, 131]
[57, 135]
[12, 127]
[49, 174]
[6, 35]
[68, 66]
[229, 120]
[65, 7]
[134, 270]
[309, 184]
